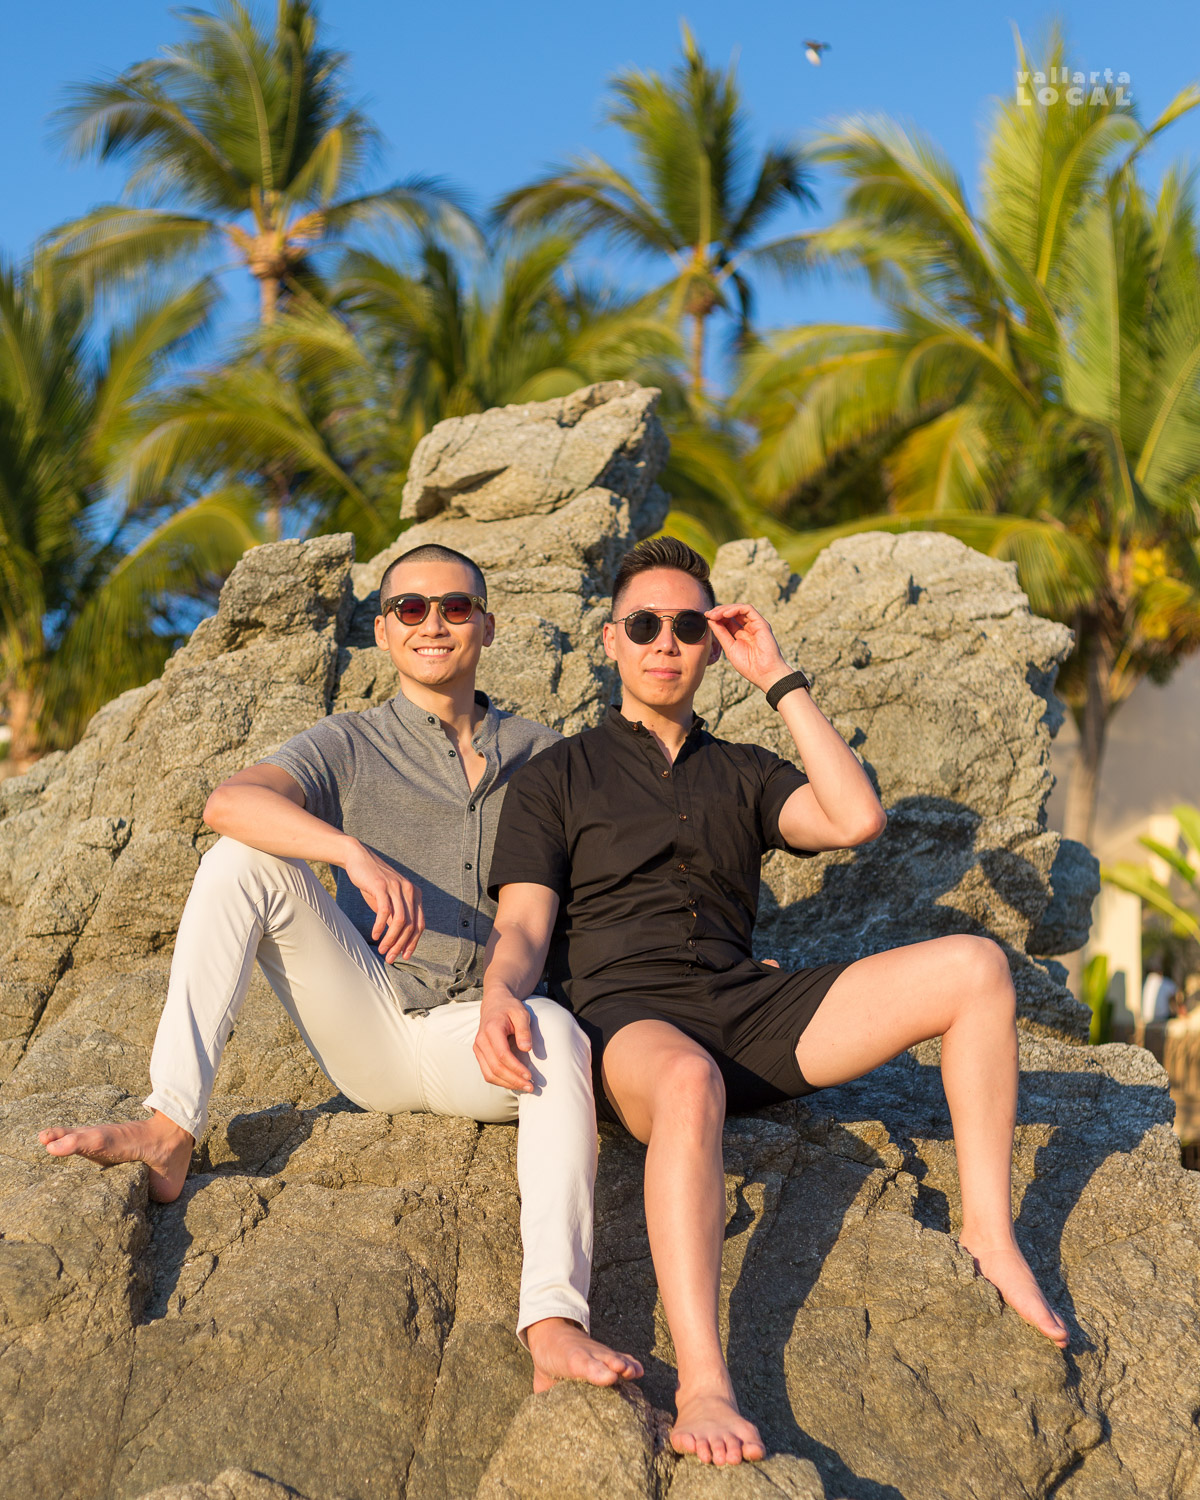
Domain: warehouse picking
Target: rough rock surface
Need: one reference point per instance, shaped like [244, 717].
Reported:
[327, 1310]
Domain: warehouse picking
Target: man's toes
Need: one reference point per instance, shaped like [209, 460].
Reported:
[720, 1451]
[683, 1442]
[61, 1144]
[703, 1450]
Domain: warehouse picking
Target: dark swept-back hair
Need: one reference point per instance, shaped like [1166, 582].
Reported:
[661, 552]
[435, 552]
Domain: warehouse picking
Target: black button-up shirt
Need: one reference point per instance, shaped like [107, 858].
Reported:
[655, 865]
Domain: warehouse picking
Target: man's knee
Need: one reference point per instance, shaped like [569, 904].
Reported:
[982, 970]
[689, 1085]
[558, 1032]
[230, 860]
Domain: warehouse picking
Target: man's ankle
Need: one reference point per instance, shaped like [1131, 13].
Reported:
[705, 1380]
[544, 1327]
[169, 1130]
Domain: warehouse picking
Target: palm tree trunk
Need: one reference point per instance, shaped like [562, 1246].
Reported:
[22, 721]
[1079, 816]
[1083, 786]
[268, 301]
[697, 360]
[268, 298]
[279, 492]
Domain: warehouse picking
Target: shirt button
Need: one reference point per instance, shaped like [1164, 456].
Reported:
[466, 923]
[452, 755]
[683, 867]
[683, 817]
[471, 808]
[691, 942]
[467, 866]
[666, 773]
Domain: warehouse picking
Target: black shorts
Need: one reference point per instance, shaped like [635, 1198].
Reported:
[749, 1020]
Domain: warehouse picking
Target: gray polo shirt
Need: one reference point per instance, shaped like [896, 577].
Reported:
[390, 777]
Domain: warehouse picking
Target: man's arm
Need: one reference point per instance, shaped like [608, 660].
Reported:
[516, 956]
[838, 808]
[263, 807]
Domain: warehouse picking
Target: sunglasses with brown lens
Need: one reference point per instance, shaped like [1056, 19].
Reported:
[411, 609]
[643, 625]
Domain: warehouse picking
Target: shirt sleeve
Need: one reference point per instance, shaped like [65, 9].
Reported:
[531, 839]
[320, 761]
[780, 780]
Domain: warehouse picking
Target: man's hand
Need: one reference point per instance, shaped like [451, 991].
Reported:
[396, 902]
[503, 1032]
[748, 643]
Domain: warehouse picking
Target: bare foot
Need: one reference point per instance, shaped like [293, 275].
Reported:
[708, 1424]
[562, 1351]
[165, 1147]
[1008, 1271]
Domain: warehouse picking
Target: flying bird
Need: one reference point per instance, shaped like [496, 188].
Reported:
[813, 50]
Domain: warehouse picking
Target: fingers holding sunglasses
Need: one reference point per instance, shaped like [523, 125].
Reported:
[747, 640]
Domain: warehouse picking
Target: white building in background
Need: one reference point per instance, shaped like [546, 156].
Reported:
[1151, 762]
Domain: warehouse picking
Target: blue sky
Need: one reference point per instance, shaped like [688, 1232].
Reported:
[487, 95]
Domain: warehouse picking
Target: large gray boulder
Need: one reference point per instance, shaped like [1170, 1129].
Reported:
[327, 1309]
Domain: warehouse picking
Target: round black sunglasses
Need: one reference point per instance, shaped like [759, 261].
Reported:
[643, 625]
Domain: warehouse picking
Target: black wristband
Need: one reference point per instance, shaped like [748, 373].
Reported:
[787, 685]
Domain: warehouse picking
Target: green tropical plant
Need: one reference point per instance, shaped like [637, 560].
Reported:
[1035, 391]
[90, 579]
[1140, 880]
[321, 411]
[698, 198]
[1093, 991]
[240, 139]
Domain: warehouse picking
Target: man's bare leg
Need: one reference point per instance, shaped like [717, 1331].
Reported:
[958, 988]
[671, 1097]
[562, 1351]
[165, 1147]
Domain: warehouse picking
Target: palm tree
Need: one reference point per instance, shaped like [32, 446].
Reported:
[520, 328]
[696, 200]
[90, 582]
[1036, 389]
[322, 410]
[241, 140]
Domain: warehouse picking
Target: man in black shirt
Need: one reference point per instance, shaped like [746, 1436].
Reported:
[627, 864]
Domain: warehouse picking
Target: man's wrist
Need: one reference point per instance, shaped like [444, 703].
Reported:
[782, 687]
[498, 998]
[776, 674]
[347, 847]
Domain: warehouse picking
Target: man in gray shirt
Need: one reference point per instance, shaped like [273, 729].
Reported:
[384, 984]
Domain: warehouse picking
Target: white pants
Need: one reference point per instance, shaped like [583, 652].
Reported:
[246, 905]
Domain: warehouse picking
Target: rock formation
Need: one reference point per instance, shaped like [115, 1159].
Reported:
[327, 1310]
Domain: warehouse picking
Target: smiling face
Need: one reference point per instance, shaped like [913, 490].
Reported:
[434, 653]
[666, 673]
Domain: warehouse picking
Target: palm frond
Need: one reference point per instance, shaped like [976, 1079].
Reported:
[1138, 881]
[111, 644]
[588, 196]
[115, 243]
[1044, 160]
